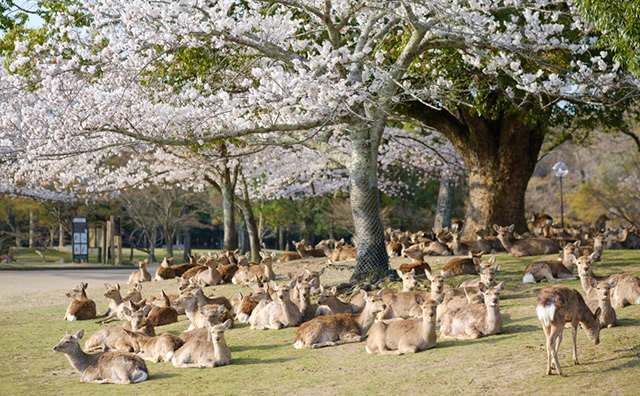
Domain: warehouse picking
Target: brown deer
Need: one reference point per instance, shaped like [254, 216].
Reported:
[525, 247]
[199, 353]
[330, 304]
[304, 301]
[487, 275]
[557, 305]
[163, 315]
[157, 348]
[488, 243]
[417, 266]
[475, 320]
[80, 307]
[288, 256]
[409, 280]
[142, 275]
[115, 338]
[463, 265]
[180, 269]
[210, 276]
[102, 367]
[439, 246]
[552, 270]
[626, 292]
[227, 272]
[276, 314]
[165, 271]
[405, 336]
[114, 312]
[541, 225]
[305, 251]
[332, 330]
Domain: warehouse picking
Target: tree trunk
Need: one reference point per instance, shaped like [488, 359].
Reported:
[61, 236]
[445, 204]
[152, 246]
[250, 222]
[169, 235]
[281, 238]
[500, 156]
[228, 214]
[32, 226]
[372, 260]
[186, 240]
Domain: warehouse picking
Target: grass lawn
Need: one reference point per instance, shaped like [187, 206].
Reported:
[265, 362]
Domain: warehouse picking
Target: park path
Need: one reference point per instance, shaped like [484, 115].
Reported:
[12, 282]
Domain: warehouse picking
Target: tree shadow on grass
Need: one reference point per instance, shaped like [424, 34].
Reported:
[631, 359]
[252, 360]
[492, 339]
[157, 376]
[240, 348]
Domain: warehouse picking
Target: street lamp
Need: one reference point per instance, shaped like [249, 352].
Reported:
[560, 169]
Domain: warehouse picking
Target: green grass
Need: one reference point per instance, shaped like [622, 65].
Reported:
[265, 362]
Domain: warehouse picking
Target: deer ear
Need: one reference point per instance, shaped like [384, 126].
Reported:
[227, 323]
[613, 282]
[364, 294]
[79, 335]
[500, 286]
[220, 309]
[439, 299]
[400, 273]
[334, 291]
[511, 228]
[497, 268]
[597, 313]
[428, 274]
[482, 287]
[445, 274]
[419, 299]
[492, 260]
[321, 271]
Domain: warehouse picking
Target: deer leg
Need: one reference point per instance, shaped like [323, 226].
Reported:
[547, 335]
[574, 334]
[548, 274]
[556, 338]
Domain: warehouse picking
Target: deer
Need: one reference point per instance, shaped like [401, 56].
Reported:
[603, 301]
[180, 269]
[142, 275]
[487, 242]
[199, 315]
[80, 307]
[207, 300]
[626, 292]
[165, 271]
[552, 270]
[227, 272]
[541, 225]
[439, 246]
[557, 305]
[305, 252]
[409, 280]
[457, 247]
[210, 276]
[114, 312]
[115, 338]
[155, 349]
[163, 315]
[469, 265]
[330, 304]
[332, 330]
[417, 266]
[475, 320]
[304, 301]
[246, 304]
[198, 353]
[405, 336]
[276, 314]
[487, 275]
[289, 256]
[525, 247]
[102, 367]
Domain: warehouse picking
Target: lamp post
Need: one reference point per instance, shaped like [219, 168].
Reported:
[560, 169]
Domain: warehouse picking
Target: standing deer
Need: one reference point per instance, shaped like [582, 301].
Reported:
[405, 336]
[557, 305]
[525, 247]
[332, 330]
[199, 353]
[102, 367]
[80, 307]
[142, 275]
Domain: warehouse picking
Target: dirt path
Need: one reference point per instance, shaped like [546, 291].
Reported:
[12, 282]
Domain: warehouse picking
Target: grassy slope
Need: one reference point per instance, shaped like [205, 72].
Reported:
[264, 362]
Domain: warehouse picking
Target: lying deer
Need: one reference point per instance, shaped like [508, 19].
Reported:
[102, 367]
[557, 305]
[142, 275]
[469, 265]
[80, 307]
[475, 320]
[165, 271]
[330, 304]
[487, 275]
[552, 270]
[525, 247]
[332, 330]
[418, 266]
[209, 277]
[305, 251]
[304, 301]
[199, 353]
[157, 348]
[405, 336]
[115, 337]
[276, 314]
[114, 312]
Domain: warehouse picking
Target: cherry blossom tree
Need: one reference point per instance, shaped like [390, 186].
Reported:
[328, 76]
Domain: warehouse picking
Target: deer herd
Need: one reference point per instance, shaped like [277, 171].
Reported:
[396, 321]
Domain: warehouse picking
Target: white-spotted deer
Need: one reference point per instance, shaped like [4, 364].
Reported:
[332, 330]
[142, 275]
[102, 367]
[475, 320]
[405, 336]
[200, 353]
[80, 307]
[557, 305]
[525, 247]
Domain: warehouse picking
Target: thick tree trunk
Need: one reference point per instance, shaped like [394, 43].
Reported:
[500, 156]
[372, 260]
[444, 204]
[152, 246]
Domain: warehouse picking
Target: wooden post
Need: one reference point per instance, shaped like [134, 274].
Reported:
[105, 238]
